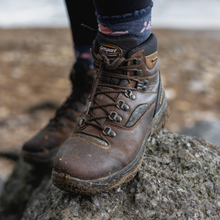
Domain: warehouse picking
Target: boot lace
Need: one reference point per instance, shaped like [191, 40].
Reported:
[101, 64]
[64, 111]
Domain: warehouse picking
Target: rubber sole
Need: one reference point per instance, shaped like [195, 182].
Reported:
[70, 184]
[40, 157]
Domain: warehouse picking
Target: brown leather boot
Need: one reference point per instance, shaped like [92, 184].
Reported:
[43, 147]
[126, 107]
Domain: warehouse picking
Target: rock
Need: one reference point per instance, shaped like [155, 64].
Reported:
[2, 181]
[207, 130]
[179, 179]
[18, 188]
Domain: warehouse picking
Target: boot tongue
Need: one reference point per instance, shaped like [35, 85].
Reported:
[115, 46]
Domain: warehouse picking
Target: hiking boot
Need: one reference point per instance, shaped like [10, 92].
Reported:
[127, 105]
[43, 147]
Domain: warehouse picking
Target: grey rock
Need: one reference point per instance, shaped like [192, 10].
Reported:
[179, 179]
[207, 130]
[2, 181]
[19, 187]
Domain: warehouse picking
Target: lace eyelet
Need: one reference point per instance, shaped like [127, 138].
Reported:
[122, 105]
[137, 61]
[142, 85]
[62, 122]
[138, 72]
[144, 88]
[107, 131]
[81, 122]
[76, 107]
[69, 115]
[145, 82]
[113, 116]
[130, 95]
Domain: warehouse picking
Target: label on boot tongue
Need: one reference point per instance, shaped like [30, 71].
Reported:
[110, 51]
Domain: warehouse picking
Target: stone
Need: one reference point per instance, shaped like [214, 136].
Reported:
[179, 179]
[19, 187]
[2, 181]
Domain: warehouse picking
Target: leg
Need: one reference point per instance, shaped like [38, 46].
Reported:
[127, 104]
[125, 17]
[82, 38]
[119, 7]
[43, 147]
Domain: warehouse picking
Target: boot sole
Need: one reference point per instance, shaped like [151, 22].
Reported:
[39, 157]
[70, 184]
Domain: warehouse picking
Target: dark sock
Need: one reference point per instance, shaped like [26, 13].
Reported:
[133, 18]
[137, 23]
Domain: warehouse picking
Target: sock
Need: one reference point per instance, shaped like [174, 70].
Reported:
[136, 24]
[82, 53]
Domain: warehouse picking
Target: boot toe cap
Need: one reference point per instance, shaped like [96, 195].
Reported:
[84, 160]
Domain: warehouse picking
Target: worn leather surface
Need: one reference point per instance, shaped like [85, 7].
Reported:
[48, 139]
[87, 159]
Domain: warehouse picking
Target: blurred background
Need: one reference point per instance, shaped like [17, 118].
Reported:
[36, 57]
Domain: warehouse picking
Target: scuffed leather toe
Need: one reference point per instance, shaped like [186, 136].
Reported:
[84, 160]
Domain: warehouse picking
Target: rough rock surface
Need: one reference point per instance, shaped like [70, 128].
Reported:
[179, 179]
[1, 183]
[18, 188]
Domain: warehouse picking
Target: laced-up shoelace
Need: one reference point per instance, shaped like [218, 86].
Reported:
[70, 103]
[101, 61]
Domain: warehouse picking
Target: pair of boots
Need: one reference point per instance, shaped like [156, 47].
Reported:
[125, 107]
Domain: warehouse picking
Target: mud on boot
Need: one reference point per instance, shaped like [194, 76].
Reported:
[127, 105]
